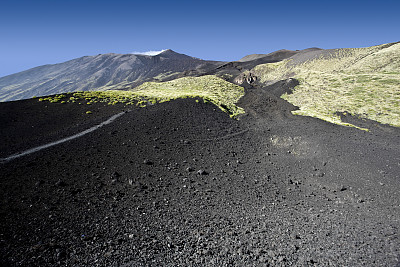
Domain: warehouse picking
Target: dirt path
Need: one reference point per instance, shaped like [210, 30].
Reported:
[63, 140]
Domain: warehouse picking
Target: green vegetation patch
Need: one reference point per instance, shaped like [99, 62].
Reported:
[365, 82]
[54, 99]
[111, 97]
[212, 89]
[223, 94]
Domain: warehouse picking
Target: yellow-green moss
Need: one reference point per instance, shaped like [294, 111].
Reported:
[211, 88]
[362, 81]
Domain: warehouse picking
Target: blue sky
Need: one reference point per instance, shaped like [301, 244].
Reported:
[39, 32]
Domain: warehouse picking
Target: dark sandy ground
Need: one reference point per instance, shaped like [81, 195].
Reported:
[182, 184]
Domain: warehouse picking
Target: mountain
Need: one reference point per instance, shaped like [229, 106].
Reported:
[277, 55]
[125, 71]
[99, 72]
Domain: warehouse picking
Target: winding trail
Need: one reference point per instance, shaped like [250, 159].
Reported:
[66, 139]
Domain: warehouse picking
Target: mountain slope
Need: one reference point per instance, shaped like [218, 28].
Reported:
[240, 71]
[181, 184]
[94, 72]
[363, 82]
[278, 55]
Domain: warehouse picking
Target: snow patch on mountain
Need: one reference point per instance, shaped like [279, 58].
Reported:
[149, 53]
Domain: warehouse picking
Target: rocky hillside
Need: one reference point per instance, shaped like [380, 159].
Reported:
[363, 82]
[181, 184]
[99, 72]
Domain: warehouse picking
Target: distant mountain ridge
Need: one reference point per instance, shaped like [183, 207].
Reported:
[124, 72]
[95, 73]
[128, 71]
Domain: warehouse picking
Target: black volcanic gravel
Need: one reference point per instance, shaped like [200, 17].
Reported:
[278, 190]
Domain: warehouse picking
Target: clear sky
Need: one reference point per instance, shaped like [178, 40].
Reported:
[38, 32]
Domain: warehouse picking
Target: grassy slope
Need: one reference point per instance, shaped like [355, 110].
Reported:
[211, 88]
[361, 81]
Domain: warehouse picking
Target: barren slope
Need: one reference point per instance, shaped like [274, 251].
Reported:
[277, 189]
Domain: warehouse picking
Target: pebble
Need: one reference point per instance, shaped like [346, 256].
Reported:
[202, 172]
[147, 162]
[189, 169]
[39, 183]
[115, 175]
[60, 183]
